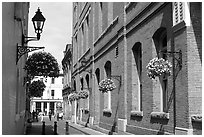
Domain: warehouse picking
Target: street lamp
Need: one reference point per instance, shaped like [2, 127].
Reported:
[38, 23]
[84, 61]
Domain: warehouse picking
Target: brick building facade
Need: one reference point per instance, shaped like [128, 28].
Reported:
[67, 83]
[118, 40]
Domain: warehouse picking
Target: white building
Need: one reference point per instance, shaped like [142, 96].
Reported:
[52, 96]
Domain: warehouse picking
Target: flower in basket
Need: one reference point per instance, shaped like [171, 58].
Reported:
[157, 67]
[83, 94]
[73, 97]
[106, 85]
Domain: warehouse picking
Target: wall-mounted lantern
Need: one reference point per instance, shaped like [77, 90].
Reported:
[84, 62]
[38, 23]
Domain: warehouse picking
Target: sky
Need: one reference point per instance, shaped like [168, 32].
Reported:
[57, 31]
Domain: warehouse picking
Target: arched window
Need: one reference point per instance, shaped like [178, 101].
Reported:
[82, 84]
[108, 69]
[87, 80]
[160, 42]
[100, 18]
[107, 97]
[74, 85]
[87, 88]
[97, 72]
[137, 77]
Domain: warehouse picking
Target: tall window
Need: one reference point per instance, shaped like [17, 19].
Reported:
[82, 39]
[75, 48]
[87, 32]
[178, 12]
[100, 18]
[110, 12]
[107, 97]
[74, 85]
[160, 41]
[87, 82]
[137, 77]
[97, 72]
[53, 81]
[52, 93]
[82, 84]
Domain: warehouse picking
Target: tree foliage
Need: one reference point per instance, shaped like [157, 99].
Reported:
[42, 64]
[36, 89]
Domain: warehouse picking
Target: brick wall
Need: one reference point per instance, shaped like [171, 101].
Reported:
[141, 21]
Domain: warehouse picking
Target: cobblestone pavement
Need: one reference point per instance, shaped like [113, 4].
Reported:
[36, 128]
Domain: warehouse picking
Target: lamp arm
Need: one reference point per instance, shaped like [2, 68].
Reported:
[117, 77]
[21, 50]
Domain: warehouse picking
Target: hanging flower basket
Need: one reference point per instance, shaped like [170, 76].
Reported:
[157, 67]
[83, 94]
[106, 85]
[73, 97]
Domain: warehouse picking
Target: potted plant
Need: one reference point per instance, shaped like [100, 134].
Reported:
[157, 67]
[160, 115]
[73, 97]
[106, 85]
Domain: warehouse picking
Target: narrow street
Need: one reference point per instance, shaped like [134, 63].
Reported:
[36, 128]
[103, 68]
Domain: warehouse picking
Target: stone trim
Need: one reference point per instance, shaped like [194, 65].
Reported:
[107, 112]
[134, 113]
[183, 131]
[196, 118]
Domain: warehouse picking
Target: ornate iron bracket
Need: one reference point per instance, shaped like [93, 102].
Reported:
[118, 78]
[89, 89]
[25, 39]
[21, 50]
[89, 71]
[178, 58]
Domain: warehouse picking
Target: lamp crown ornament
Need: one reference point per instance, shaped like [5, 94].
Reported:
[38, 22]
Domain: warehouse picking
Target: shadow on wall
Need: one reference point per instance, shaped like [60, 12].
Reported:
[196, 20]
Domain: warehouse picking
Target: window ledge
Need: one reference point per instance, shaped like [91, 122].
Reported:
[85, 110]
[160, 115]
[196, 118]
[134, 113]
[107, 112]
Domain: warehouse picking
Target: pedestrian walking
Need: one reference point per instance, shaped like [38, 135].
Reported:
[50, 115]
[36, 115]
[57, 116]
[33, 115]
[42, 116]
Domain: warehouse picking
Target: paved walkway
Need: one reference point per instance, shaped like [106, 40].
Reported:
[36, 128]
[74, 129]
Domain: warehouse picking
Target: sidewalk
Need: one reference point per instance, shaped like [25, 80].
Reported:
[85, 130]
[102, 130]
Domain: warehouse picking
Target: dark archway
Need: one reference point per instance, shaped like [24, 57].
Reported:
[107, 67]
